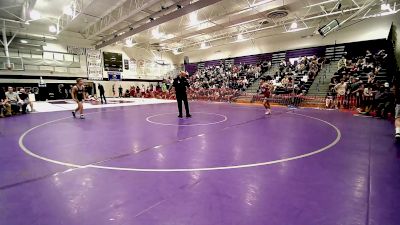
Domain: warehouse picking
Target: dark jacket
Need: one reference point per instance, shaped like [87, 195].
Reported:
[180, 84]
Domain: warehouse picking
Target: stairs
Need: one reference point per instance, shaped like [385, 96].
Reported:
[320, 85]
[247, 97]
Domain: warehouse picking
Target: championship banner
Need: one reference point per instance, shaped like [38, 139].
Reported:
[126, 64]
[94, 68]
[76, 50]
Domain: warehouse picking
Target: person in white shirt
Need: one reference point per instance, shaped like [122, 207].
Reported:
[341, 92]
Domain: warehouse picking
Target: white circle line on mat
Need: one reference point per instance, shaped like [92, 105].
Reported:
[224, 118]
[241, 166]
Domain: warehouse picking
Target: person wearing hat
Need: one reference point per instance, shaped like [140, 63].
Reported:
[180, 84]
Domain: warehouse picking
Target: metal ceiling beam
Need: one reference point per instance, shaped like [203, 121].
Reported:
[171, 16]
[257, 29]
[146, 19]
[123, 12]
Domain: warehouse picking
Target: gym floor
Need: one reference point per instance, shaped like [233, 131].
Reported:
[229, 164]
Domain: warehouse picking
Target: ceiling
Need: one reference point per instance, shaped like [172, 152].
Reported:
[169, 25]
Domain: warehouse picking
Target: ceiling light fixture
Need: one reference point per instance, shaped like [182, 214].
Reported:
[240, 38]
[52, 29]
[193, 19]
[294, 25]
[385, 6]
[177, 51]
[23, 41]
[68, 10]
[129, 42]
[34, 15]
[205, 45]
[260, 3]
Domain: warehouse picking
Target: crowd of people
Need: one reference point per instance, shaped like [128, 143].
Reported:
[214, 83]
[291, 77]
[223, 82]
[355, 85]
[13, 103]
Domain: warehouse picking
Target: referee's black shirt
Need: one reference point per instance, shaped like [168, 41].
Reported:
[180, 84]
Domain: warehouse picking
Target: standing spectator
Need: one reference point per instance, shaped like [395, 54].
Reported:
[101, 92]
[137, 91]
[120, 89]
[341, 92]
[143, 91]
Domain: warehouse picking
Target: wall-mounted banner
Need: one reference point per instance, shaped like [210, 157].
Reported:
[126, 64]
[94, 68]
[114, 76]
[76, 50]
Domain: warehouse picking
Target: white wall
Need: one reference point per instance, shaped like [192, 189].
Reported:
[371, 29]
[396, 23]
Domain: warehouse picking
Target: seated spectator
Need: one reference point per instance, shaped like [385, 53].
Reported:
[5, 106]
[132, 92]
[367, 99]
[14, 100]
[368, 56]
[371, 78]
[329, 99]
[341, 63]
[25, 99]
[384, 98]
[127, 94]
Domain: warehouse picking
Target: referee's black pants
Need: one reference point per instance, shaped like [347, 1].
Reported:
[102, 96]
[180, 98]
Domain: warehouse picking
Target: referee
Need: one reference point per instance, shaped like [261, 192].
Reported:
[180, 83]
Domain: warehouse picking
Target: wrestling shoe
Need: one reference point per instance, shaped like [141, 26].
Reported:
[73, 114]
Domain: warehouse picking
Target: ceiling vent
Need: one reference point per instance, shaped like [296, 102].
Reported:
[277, 14]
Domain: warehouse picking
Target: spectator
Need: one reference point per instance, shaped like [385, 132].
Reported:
[341, 92]
[383, 101]
[341, 63]
[25, 101]
[5, 106]
[120, 90]
[367, 99]
[14, 100]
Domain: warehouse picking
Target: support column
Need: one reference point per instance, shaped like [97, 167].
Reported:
[5, 44]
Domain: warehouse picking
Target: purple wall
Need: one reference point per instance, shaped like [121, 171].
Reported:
[318, 51]
[191, 68]
[253, 59]
[213, 63]
[355, 48]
